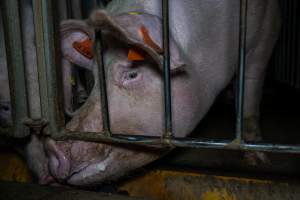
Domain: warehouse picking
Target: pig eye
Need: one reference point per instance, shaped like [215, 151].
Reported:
[130, 77]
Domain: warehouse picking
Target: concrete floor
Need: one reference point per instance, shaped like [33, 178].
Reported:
[18, 191]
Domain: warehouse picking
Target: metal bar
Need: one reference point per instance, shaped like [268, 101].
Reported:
[62, 9]
[158, 142]
[88, 6]
[15, 63]
[292, 45]
[102, 82]
[76, 9]
[33, 95]
[48, 63]
[298, 49]
[166, 72]
[3, 69]
[241, 71]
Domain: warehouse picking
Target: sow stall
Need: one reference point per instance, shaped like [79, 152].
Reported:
[48, 118]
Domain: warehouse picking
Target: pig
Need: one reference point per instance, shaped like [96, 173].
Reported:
[204, 59]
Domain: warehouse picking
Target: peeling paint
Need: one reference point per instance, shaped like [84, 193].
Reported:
[218, 195]
[173, 185]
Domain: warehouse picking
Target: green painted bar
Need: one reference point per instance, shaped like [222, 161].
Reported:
[48, 64]
[16, 71]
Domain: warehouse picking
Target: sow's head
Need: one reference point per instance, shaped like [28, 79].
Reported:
[133, 67]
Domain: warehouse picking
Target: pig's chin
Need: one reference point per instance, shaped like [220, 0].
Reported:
[90, 174]
[109, 165]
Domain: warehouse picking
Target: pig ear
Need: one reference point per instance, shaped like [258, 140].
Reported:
[77, 43]
[176, 60]
[134, 34]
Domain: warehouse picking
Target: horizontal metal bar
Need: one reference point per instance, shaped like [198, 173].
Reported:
[159, 142]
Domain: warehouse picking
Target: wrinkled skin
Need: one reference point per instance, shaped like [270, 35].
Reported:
[203, 48]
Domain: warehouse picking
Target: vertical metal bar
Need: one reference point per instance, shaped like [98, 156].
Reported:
[88, 6]
[62, 9]
[298, 50]
[15, 63]
[166, 71]
[292, 44]
[69, 9]
[102, 82]
[296, 38]
[48, 62]
[40, 46]
[28, 36]
[76, 9]
[241, 71]
[4, 79]
[286, 42]
[283, 47]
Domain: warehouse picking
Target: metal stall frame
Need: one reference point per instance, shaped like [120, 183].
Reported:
[52, 116]
[16, 69]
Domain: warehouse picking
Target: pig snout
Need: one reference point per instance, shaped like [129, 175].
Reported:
[67, 160]
[59, 164]
[87, 163]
